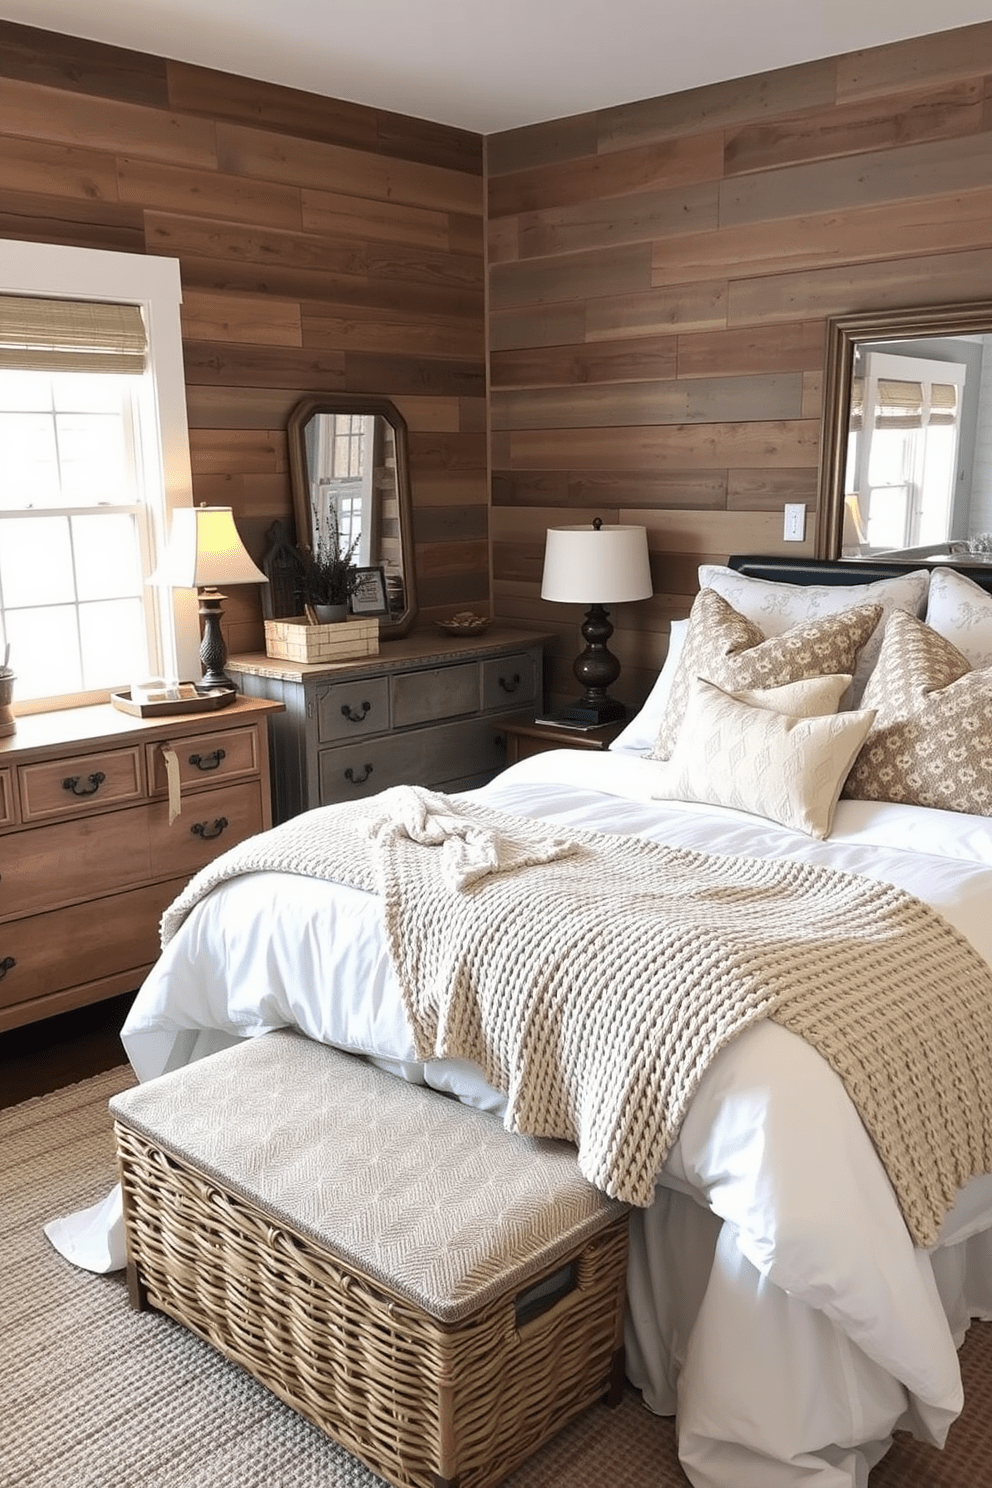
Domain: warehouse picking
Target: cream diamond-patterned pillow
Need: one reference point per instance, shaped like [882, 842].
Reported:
[723, 647]
[754, 759]
[931, 743]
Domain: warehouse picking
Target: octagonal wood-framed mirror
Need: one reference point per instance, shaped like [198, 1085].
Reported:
[349, 467]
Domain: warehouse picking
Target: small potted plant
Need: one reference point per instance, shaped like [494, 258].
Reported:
[328, 577]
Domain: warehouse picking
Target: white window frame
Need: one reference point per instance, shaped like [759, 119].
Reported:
[153, 283]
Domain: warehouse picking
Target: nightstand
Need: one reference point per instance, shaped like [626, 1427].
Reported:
[524, 737]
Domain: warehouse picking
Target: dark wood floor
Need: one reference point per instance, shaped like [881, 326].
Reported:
[41, 1057]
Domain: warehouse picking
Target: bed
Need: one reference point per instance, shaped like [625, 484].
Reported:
[777, 1303]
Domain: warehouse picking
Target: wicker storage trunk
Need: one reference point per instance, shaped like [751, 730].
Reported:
[437, 1295]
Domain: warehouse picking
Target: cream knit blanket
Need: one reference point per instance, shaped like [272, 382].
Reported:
[593, 978]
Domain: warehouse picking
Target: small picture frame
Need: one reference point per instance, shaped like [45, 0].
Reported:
[369, 595]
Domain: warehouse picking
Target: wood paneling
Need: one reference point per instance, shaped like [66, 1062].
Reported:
[323, 246]
[660, 275]
[693, 403]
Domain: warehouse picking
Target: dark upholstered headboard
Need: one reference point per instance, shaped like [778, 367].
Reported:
[845, 571]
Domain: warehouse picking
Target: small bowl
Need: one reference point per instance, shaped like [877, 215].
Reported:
[465, 623]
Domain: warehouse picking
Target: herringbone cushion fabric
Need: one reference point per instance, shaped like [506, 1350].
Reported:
[931, 742]
[753, 758]
[725, 648]
[433, 1197]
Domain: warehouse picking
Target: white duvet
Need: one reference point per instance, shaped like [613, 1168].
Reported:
[775, 1299]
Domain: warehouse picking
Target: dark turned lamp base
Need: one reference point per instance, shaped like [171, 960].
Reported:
[596, 668]
[213, 649]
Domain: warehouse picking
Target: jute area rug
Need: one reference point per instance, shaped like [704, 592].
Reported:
[97, 1396]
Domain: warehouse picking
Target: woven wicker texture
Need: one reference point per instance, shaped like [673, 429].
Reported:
[98, 1396]
[420, 1401]
[429, 1196]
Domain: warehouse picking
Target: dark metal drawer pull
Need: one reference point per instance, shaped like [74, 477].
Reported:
[349, 774]
[207, 761]
[7, 964]
[354, 716]
[513, 683]
[94, 782]
[201, 829]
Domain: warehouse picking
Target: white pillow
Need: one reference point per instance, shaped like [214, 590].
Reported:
[642, 730]
[787, 769]
[776, 606]
[961, 611]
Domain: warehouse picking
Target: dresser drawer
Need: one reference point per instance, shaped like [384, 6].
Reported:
[425, 756]
[350, 710]
[508, 682]
[204, 759]
[7, 815]
[69, 787]
[435, 693]
[66, 947]
[113, 850]
[210, 823]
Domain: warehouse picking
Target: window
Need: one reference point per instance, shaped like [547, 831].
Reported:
[902, 456]
[92, 462]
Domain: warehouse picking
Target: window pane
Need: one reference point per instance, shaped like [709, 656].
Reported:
[29, 470]
[35, 561]
[92, 458]
[44, 651]
[113, 643]
[108, 563]
[88, 392]
[25, 392]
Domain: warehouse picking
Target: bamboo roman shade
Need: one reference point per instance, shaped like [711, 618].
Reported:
[902, 404]
[39, 335]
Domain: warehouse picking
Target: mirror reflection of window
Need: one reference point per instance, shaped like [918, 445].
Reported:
[902, 453]
[341, 480]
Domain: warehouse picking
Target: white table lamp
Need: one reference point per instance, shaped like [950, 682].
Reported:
[596, 566]
[205, 550]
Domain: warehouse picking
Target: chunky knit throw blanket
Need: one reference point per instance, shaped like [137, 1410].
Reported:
[593, 978]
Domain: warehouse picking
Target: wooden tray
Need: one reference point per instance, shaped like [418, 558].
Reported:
[207, 699]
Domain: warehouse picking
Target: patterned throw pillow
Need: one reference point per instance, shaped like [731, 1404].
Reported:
[961, 611]
[722, 647]
[776, 607]
[788, 769]
[931, 742]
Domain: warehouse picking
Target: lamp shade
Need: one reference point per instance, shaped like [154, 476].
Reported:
[596, 565]
[205, 550]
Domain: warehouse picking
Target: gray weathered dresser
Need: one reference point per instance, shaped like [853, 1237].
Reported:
[422, 712]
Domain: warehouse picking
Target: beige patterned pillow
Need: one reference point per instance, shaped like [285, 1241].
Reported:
[755, 759]
[722, 647]
[776, 606]
[931, 743]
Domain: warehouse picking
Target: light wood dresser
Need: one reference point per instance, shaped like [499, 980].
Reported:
[88, 856]
[422, 712]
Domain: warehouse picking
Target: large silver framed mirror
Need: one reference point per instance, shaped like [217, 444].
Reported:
[906, 467]
[349, 469]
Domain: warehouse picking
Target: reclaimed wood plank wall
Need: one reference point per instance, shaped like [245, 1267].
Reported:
[324, 247]
[660, 277]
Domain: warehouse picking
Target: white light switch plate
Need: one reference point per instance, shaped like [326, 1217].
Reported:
[794, 526]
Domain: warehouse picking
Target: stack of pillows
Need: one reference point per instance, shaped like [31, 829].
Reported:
[777, 698]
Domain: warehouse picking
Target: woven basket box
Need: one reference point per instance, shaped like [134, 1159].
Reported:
[294, 640]
[253, 1242]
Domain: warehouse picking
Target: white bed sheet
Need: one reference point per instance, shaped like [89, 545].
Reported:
[775, 1298]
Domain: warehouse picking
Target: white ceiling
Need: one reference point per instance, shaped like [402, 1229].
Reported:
[488, 65]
